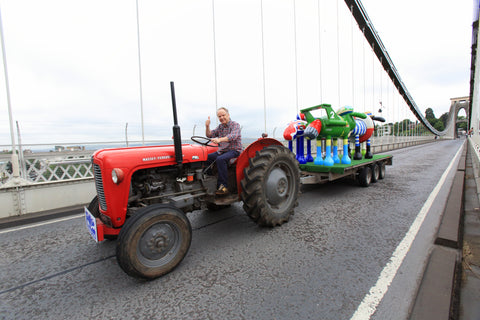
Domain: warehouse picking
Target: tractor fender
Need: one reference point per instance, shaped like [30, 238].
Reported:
[249, 152]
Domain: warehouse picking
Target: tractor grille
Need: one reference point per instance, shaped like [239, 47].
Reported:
[97, 172]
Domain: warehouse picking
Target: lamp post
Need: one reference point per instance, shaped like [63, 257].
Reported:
[126, 133]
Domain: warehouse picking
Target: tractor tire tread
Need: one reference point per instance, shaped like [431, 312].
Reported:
[253, 195]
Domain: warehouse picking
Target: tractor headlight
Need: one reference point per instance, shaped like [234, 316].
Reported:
[117, 175]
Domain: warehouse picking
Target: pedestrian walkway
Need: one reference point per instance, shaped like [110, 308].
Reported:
[450, 287]
[470, 281]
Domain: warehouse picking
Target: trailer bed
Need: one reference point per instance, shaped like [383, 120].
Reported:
[312, 174]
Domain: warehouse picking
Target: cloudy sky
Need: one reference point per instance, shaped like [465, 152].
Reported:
[74, 70]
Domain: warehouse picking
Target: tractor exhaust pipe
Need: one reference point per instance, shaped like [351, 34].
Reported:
[177, 139]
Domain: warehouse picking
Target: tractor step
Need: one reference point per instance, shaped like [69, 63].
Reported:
[226, 199]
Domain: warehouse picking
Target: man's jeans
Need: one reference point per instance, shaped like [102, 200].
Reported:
[222, 164]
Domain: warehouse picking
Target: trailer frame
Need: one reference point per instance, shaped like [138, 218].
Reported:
[315, 174]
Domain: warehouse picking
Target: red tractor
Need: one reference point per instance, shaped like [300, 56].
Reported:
[144, 193]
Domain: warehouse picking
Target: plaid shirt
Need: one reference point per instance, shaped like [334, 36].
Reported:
[230, 130]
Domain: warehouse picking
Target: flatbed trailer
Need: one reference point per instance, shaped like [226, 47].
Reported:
[365, 171]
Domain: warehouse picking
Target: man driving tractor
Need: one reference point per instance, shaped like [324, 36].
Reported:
[229, 139]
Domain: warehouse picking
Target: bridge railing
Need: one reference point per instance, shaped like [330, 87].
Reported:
[48, 167]
[61, 163]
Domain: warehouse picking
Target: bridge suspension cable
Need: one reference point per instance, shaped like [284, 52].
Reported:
[215, 58]
[378, 48]
[320, 49]
[296, 54]
[263, 70]
[15, 167]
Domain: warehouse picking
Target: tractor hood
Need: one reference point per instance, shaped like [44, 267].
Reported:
[150, 156]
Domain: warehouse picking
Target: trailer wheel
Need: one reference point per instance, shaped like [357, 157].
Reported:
[375, 172]
[365, 176]
[271, 186]
[382, 170]
[95, 211]
[154, 241]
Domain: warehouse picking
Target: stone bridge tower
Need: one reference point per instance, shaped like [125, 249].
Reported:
[456, 105]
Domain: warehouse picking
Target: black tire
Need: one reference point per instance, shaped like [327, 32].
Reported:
[375, 172]
[154, 241]
[382, 170]
[94, 209]
[271, 186]
[365, 176]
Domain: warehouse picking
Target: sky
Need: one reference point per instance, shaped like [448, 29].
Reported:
[73, 66]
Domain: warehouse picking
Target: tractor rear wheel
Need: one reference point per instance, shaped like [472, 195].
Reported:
[271, 185]
[154, 241]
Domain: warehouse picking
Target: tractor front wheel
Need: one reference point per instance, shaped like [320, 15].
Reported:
[93, 207]
[271, 185]
[154, 241]
[95, 211]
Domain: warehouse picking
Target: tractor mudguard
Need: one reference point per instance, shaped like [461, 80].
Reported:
[249, 152]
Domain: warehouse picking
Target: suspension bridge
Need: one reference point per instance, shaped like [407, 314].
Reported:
[364, 76]
[367, 79]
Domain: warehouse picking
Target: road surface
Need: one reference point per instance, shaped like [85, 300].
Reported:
[320, 265]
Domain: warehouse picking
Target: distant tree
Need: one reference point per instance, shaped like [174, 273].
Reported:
[462, 125]
[429, 114]
[439, 125]
[444, 118]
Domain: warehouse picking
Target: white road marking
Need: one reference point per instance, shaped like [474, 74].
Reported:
[371, 301]
[33, 225]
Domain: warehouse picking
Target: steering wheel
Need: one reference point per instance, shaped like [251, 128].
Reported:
[207, 143]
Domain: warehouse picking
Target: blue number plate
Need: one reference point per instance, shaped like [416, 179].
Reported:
[91, 223]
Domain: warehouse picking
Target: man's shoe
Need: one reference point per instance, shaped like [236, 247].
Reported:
[222, 190]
